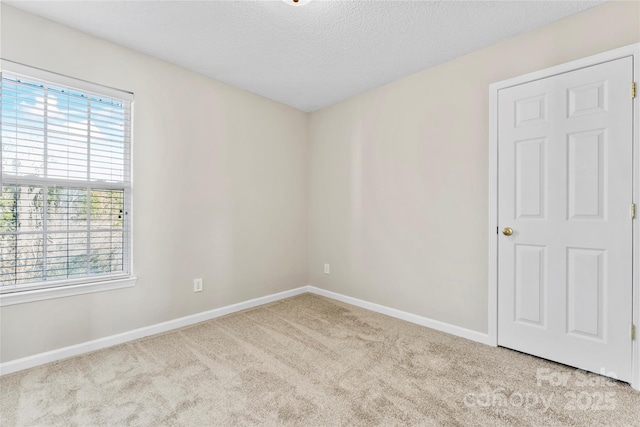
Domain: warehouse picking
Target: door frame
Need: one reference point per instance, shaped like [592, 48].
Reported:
[630, 50]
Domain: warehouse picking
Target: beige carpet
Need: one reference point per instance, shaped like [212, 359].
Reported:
[311, 361]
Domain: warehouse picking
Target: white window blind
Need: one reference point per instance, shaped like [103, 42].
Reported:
[65, 209]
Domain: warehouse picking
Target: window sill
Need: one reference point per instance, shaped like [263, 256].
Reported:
[21, 297]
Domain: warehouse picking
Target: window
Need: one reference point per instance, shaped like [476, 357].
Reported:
[65, 205]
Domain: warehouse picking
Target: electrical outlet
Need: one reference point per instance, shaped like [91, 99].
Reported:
[327, 269]
[197, 285]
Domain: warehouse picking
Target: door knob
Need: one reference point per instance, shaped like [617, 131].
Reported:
[507, 231]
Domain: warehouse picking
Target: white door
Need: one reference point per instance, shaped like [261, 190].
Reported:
[565, 189]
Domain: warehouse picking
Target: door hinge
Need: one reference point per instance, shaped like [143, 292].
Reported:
[633, 210]
[633, 90]
[633, 332]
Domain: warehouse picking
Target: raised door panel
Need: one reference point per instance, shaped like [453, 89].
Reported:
[529, 283]
[530, 178]
[586, 174]
[586, 292]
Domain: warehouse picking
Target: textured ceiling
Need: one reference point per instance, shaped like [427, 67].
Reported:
[308, 56]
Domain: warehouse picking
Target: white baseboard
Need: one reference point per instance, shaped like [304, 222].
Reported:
[403, 315]
[89, 346]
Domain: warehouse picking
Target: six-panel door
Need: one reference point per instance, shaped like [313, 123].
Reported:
[565, 188]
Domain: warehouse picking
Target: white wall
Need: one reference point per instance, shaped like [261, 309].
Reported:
[399, 175]
[220, 192]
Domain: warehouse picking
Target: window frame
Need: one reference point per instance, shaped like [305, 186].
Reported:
[21, 293]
